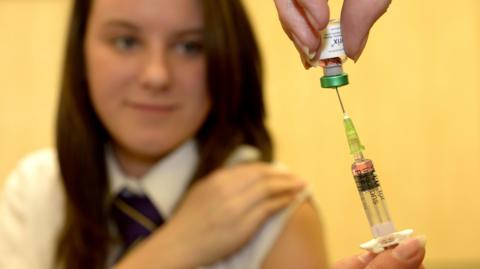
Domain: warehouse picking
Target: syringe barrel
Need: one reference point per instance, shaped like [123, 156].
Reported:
[372, 198]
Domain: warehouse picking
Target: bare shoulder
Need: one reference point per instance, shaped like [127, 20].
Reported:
[301, 244]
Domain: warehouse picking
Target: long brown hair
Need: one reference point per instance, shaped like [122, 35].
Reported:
[237, 117]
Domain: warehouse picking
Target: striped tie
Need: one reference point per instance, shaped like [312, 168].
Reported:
[136, 218]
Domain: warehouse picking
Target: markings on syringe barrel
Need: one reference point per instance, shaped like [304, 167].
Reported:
[367, 180]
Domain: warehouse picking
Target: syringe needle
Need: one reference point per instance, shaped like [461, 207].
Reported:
[340, 99]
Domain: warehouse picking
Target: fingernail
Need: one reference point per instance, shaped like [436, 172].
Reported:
[315, 63]
[280, 167]
[361, 48]
[306, 51]
[422, 239]
[305, 63]
[366, 257]
[310, 55]
[409, 248]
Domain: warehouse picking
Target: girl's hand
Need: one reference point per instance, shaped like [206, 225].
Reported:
[218, 216]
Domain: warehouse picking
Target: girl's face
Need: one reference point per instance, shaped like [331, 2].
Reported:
[146, 70]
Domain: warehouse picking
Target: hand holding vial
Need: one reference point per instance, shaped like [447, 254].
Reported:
[303, 20]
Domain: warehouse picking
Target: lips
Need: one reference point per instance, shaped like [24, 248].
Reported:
[152, 108]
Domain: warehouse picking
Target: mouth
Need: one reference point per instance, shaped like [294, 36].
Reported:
[152, 107]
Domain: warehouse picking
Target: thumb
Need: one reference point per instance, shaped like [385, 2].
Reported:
[358, 16]
[408, 255]
[355, 262]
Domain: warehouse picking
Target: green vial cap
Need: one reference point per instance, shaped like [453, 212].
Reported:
[352, 136]
[334, 81]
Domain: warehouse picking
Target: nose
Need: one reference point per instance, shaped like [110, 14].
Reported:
[156, 75]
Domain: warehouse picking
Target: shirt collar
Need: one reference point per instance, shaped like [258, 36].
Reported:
[164, 183]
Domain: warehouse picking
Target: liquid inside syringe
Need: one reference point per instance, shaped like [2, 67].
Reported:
[372, 198]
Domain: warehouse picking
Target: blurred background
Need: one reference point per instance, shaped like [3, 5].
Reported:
[414, 96]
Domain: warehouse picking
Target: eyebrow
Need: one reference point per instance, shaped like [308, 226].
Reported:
[133, 27]
[121, 24]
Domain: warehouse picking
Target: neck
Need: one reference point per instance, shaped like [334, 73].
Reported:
[133, 164]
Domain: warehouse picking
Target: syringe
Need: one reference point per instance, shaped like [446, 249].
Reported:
[371, 194]
[331, 59]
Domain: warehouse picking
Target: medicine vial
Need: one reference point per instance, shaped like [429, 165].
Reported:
[332, 56]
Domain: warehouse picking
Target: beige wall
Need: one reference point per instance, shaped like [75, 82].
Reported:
[31, 42]
[414, 95]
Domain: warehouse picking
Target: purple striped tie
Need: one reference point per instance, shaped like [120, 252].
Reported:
[135, 216]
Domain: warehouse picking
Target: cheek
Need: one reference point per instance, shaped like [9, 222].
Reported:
[192, 80]
[195, 91]
[108, 77]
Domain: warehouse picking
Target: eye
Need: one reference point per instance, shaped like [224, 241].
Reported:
[125, 43]
[191, 48]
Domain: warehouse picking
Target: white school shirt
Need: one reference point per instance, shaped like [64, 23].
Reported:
[32, 207]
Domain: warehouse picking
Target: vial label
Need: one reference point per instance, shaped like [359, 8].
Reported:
[332, 41]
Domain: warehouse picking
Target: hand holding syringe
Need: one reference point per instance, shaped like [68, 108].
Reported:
[371, 194]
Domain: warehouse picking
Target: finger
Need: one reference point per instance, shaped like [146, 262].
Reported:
[408, 255]
[358, 16]
[297, 26]
[355, 262]
[267, 189]
[251, 172]
[263, 190]
[301, 51]
[235, 179]
[317, 13]
[257, 217]
[303, 57]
